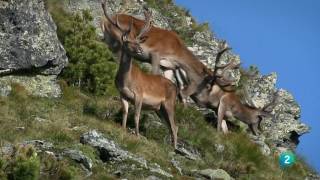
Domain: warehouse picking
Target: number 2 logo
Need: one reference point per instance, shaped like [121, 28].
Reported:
[287, 159]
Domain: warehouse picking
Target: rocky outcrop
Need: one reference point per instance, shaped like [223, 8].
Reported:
[38, 85]
[282, 131]
[131, 7]
[285, 128]
[29, 44]
[111, 152]
[214, 174]
[79, 157]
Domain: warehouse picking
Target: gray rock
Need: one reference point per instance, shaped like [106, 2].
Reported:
[214, 174]
[29, 45]
[260, 141]
[259, 90]
[313, 176]
[285, 128]
[5, 89]
[176, 164]
[28, 39]
[6, 150]
[186, 150]
[153, 178]
[79, 157]
[40, 145]
[157, 169]
[205, 47]
[186, 153]
[39, 85]
[111, 152]
[134, 8]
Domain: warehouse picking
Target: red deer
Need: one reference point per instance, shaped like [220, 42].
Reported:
[228, 104]
[160, 47]
[145, 90]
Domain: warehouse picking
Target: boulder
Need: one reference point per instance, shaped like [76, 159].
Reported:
[29, 44]
[111, 152]
[285, 128]
[79, 157]
[214, 174]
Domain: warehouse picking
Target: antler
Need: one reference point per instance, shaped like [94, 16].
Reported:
[221, 78]
[125, 33]
[147, 25]
[223, 47]
[230, 65]
[225, 82]
[103, 4]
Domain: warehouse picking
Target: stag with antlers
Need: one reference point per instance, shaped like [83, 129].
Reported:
[227, 103]
[145, 90]
[160, 47]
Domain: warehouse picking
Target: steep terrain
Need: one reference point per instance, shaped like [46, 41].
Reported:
[283, 131]
[78, 135]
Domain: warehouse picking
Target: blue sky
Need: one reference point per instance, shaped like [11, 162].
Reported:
[280, 36]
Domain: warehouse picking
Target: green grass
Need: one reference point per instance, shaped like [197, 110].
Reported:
[241, 158]
[77, 112]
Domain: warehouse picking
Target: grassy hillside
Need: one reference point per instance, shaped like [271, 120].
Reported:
[65, 119]
[90, 101]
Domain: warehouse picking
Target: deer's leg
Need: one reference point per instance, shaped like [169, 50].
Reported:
[137, 105]
[180, 83]
[221, 112]
[192, 84]
[181, 78]
[254, 128]
[155, 63]
[224, 127]
[168, 74]
[169, 110]
[125, 108]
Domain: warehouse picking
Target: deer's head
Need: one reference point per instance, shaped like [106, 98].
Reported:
[132, 41]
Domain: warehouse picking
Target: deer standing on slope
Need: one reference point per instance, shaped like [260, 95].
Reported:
[227, 103]
[145, 90]
[160, 47]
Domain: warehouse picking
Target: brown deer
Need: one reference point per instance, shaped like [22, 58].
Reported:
[228, 104]
[160, 47]
[145, 90]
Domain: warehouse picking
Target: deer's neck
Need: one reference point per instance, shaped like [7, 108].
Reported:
[193, 65]
[125, 69]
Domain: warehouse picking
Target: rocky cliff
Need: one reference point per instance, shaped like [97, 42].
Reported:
[282, 131]
[52, 134]
[30, 51]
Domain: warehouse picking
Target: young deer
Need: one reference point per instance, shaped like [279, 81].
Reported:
[160, 47]
[145, 90]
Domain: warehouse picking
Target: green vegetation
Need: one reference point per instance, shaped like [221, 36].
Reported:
[24, 164]
[68, 117]
[89, 102]
[91, 64]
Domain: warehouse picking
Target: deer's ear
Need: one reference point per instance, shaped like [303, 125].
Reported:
[143, 39]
